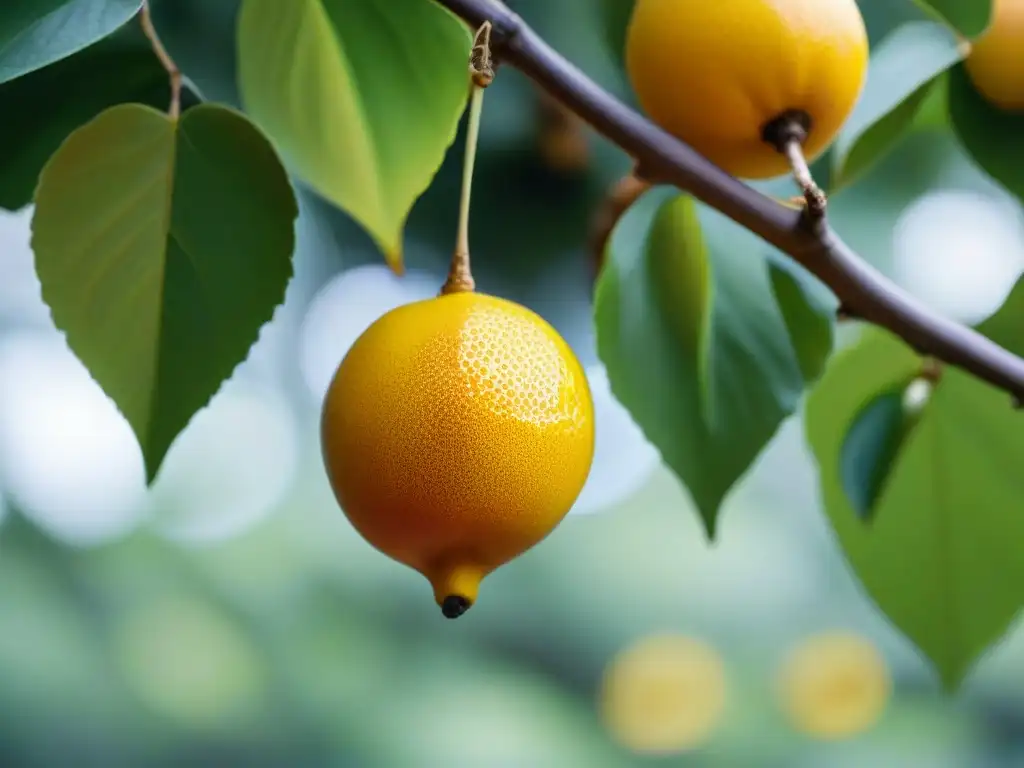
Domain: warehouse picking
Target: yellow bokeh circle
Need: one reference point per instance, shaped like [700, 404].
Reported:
[664, 694]
[834, 685]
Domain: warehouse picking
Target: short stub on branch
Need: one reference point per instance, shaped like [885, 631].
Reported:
[787, 133]
[619, 198]
[562, 136]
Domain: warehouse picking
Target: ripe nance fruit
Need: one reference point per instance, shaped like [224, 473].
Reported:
[457, 433]
[717, 73]
[996, 61]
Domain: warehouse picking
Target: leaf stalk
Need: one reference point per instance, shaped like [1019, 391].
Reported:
[173, 72]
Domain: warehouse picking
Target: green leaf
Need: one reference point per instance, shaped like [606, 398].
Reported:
[942, 556]
[989, 135]
[1006, 325]
[34, 33]
[162, 248]
[808, 309]
[696, 345]
[933, 112]
[614, 16]
[969, 17]
[44, 107]
[362, 98]
[903, 72]
[875, 437]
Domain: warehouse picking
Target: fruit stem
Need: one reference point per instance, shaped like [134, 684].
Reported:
[173, 73]
[787, 133]
[481, 73]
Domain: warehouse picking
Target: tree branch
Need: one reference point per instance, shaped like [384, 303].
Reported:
[861, 289]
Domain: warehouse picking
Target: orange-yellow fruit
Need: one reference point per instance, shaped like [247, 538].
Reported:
[996, 61]
[715, 73]
[457, 433]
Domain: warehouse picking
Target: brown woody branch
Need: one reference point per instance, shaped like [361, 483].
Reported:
[862, 291]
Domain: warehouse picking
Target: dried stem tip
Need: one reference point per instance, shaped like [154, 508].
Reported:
[481, 61]
[454, 606]
[931, 370]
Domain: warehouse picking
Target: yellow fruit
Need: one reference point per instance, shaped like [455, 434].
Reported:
[834, 685]
[457, 433]
[715, 73]
[995, 63]
[664, 694]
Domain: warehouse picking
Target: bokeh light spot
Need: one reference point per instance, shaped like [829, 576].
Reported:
[960, 251]
[345, 307]
[230, 468]
[664, 694]
[189, 663]
[834, 685]
[21, 299]
[68, 459]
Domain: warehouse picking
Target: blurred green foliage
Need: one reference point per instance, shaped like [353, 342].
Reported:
[295, 644]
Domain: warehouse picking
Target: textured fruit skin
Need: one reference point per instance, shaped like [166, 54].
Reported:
[457, 433]
[715, 72]
[996, 62]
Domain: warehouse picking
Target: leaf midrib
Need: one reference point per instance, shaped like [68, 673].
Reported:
[359, 101]
[154, 398]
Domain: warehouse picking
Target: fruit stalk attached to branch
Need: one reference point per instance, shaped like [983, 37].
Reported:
[787, 134]
[481, 74]
[665, 159]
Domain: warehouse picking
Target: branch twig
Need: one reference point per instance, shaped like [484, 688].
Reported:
[861, 289]
[173, 73]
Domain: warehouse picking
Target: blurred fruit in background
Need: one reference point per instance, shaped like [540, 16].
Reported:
[664, 694]
[834, 685]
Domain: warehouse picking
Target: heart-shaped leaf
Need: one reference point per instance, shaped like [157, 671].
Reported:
[708, 341]
[969, 17]
[904, 69]
[363, 98]
[34, 33]
[45, 106]
[163, 247]
[989, 135]
[942, 555]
